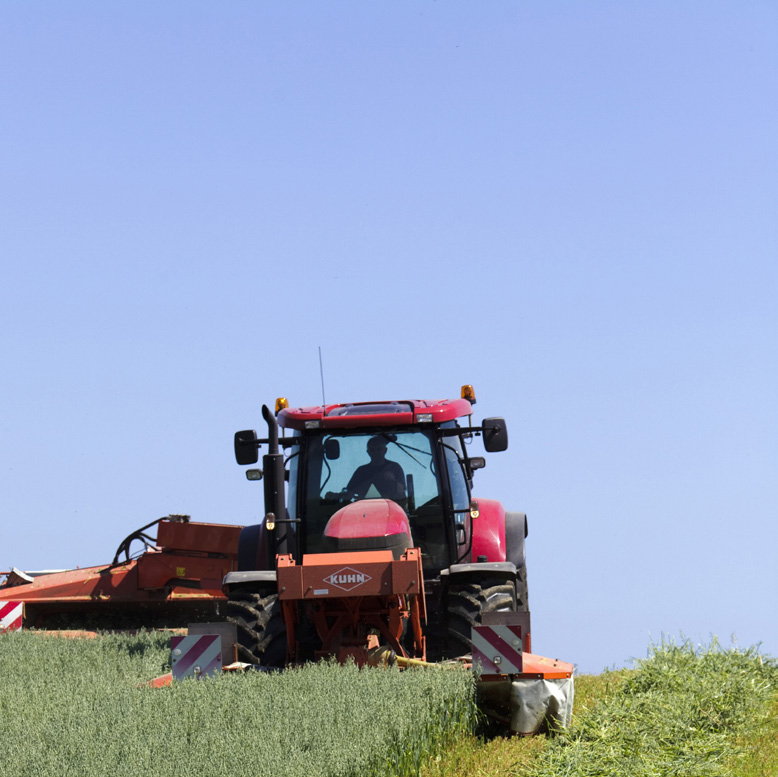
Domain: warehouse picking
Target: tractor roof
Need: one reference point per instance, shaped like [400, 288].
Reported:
[357, 414]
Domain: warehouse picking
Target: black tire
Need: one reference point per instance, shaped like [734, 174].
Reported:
[467, 601]
[261, 628]
[522, 600]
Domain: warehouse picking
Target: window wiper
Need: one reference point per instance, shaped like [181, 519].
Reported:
[406, 448]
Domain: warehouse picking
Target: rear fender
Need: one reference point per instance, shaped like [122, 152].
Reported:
[498, 535]
[489, 532]
[252, 548]
[515, 532]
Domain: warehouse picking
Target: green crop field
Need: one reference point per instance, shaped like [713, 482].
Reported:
[74, 707]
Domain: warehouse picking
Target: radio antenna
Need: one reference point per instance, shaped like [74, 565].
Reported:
[321, 371]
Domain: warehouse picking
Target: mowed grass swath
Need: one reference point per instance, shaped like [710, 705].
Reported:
[73, 707]
[691, 711]
[687, 710]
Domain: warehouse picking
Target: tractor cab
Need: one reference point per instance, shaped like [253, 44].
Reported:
[412, 453]
[414, 467]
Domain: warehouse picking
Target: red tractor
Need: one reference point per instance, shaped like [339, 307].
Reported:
[379, 542]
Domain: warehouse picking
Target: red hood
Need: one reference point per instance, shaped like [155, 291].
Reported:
[368, 518]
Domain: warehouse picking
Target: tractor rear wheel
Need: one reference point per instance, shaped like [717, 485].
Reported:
[467, 602]
[261, 629]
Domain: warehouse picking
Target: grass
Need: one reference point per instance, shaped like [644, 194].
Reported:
[756, 754]
[686, 711]
[478, 755]
[73, 707]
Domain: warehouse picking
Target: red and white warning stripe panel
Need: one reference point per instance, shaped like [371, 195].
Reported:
[11, 616]
[498, 649]
[198, 655]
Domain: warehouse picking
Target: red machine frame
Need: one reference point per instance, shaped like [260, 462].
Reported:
[179, 576]
[356, 601]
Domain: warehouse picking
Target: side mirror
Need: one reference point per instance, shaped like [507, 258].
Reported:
[246, 449]
[332, 449]
[476, 462]
[461, 534]
[495, 434]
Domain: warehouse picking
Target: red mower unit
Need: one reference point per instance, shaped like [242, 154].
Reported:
[373, 547]
[168, 580]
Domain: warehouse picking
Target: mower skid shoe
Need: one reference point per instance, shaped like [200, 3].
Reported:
[528, 705]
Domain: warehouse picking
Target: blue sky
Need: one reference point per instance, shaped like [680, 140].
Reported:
[571, 206]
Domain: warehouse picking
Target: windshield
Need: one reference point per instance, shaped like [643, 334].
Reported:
[343, 467]
[380, 465]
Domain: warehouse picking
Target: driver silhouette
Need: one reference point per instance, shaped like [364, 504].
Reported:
[386, 476]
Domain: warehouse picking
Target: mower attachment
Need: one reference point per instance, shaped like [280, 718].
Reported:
[356, 601]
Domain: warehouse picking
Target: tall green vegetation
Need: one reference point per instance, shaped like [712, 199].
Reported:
[73, 707]
[685, 711]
